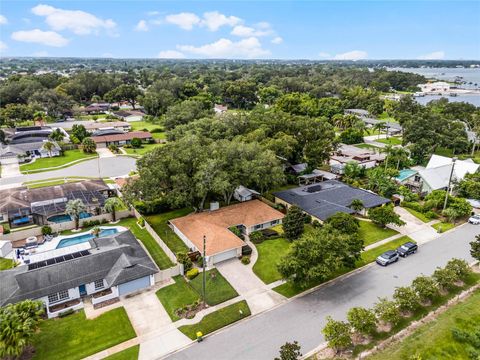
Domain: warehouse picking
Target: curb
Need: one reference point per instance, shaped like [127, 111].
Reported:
[30, 172]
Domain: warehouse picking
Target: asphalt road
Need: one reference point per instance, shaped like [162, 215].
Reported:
[103, 167]
[302, 319]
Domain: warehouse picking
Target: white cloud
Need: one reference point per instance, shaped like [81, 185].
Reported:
[42, 53]
[3, 46]
[277, 40]
[436, 55]
[107, 55]
[225, 48]
[170, 54]
[184, 20]
[77, 21]
[324, 55]
[141, 26]
[3, 20]
[214, 20]
[351, 55]
[153, 13]
[49, 38]
[247, 31]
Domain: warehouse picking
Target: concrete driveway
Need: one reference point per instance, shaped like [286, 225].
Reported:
[415, 228]
[105, 153]
[10, 168]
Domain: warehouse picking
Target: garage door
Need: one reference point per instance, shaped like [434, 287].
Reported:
[224, 256]
[134, 285]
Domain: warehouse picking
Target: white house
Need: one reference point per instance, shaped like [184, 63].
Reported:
[439, 86]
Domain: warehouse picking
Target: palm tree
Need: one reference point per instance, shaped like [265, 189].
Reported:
[357, 205]
[96, 231]
[111, 205]
[389, 150]
[74, 208]
[89, 145]
[49, 146]
[38, 116]
[380, 126]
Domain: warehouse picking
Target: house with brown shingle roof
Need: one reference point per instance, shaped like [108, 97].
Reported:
[121, 139]
[221, 243]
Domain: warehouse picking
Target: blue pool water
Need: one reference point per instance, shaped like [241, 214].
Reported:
[65, 217]
[405, 173]
[84, 238]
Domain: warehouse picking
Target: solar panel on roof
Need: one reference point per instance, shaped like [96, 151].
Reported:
[58, 259]
[314, 188]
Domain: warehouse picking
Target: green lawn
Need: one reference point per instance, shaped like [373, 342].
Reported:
[371, 233]
[418, 215]
[269, 254]
[44, 163]
[443, 226]
[289, 289]
[128, 354]
[367, 146]
[75, 337]
[217, 319]
[390, 141]
[177, 296]
[159, 224]
[141, 151]
[218, 289]
[434, 340]
[144, 125]
[6, 264]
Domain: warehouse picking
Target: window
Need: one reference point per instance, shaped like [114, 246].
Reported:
[62, 295]
[256, 227]
[274, 222]
[98, 284]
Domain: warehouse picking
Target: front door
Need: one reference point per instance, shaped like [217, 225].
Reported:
[83, 290]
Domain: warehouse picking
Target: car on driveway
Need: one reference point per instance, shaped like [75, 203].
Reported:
[387, 258]
[475, 219]
[407, 249]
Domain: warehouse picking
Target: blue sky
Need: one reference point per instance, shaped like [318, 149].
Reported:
[247, 29]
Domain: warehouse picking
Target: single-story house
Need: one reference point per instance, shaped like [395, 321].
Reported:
[349, 153]
[244, 194]
[121, 138]
[130, 115]
[92, 125]
[221, 243]
[101, 269]
[324, 199]
[22, 206]
[436, 174]
[96, 108]
[296, 169]
[30, 150]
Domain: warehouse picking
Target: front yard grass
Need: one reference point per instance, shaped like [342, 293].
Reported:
[128, 354]
[159, 224]
[218, 289]
[290, 289]
[269, 254]
[76, 337]
[390, 141]
[6, 264]
[45, 163]
[177, 296]
[371, 233]
[418, 215]
[443, 226]
[218, 319]
[435, 340]
[143, 150]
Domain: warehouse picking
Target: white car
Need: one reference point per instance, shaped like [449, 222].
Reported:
[475, 219]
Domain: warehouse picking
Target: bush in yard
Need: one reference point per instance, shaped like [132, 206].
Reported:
[290, 351]
[357, 205]
[406, 299]
[88, 145]
[307, 219]
[362, 320]
[136, 143]
[293, 223]
[344, 222]
[192, 273]
[425, 287]
[384, 215]
[46, 230]
[445, 278]
[387, 311]
[245, 260]
[475, 248]
[337, 333]
[414, 206]
[183, 259]
[235, 230]
[256, 237]
[459, 267]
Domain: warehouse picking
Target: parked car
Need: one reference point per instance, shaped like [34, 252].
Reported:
[407, 249]
[475, 219]
[387, 258]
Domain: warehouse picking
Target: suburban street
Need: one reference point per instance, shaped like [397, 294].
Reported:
[302, 319]
[101, 167]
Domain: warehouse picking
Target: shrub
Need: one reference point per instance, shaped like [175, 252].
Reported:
[337, 333]
[256, 237]
[362, 320]
[136, 143]
[307, 219]
[141, 222]
[183, 259]
[293, 223]
[431, 215]
[459, 267]
[290, 351]
[90, 223]
[414, 206]
[245, 260]
[387, 311]
[445, 278]
[192, 273]
[66, 313]
[46, 230]
[235, 230]
[6, 231]
[199, 261]
[425, 287]
[406, 298]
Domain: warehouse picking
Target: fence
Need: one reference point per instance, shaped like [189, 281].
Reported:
[167, 274]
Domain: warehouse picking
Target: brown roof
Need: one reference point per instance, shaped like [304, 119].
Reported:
[214, 224]
[122, 137]
[122, 181]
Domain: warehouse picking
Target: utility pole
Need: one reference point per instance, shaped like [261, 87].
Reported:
[204, 284]
[449, 181]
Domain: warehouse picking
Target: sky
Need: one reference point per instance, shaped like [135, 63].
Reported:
[318, 30]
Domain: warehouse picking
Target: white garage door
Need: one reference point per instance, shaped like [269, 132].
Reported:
[224, 256]
[134, 285]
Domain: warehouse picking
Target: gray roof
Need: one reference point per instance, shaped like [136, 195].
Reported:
[322, 200]
[299, 168]
[22, 148]
[117, 258]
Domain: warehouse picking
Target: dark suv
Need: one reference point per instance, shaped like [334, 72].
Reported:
[407, 249]
[387, 257]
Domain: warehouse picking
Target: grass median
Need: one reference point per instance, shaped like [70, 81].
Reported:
[128, 354]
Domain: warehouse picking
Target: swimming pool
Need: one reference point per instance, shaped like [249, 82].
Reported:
[65, 217]
[81, 238]
[405, 174]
